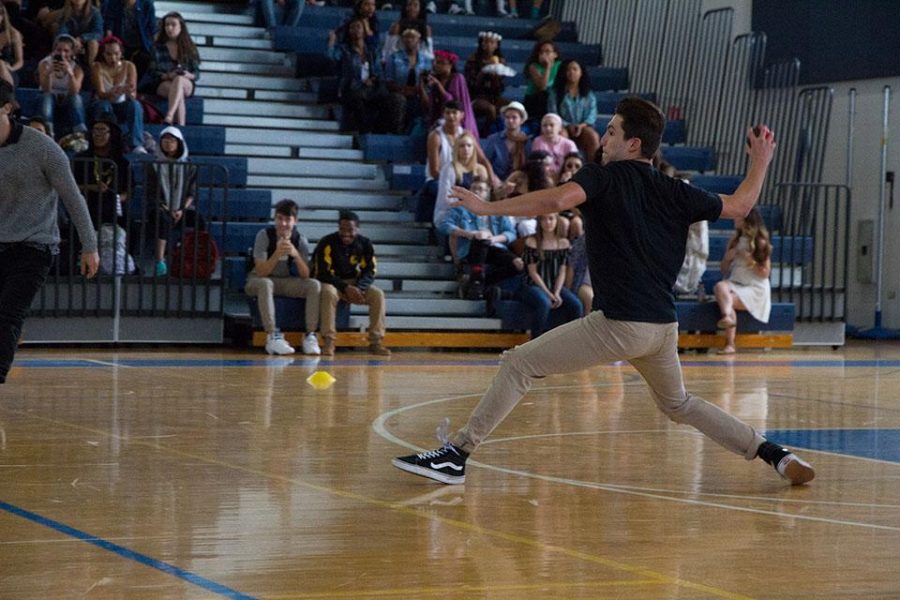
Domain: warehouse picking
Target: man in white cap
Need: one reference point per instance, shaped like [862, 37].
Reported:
[507, 149]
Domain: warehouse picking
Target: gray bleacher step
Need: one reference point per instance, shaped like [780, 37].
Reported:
[427, 307]
[434, 286]
[244, 134]
[276, 182]
[428, 323]
[222, 41]
[292, 152]
[251, 81]
[310, 168]
[243, 55]
[404, 252]
[270, 122]
[350, 200]
[256, 108]
[413, 270]
[220, 29]
[248, 68]
[238, 93]
[222, 18]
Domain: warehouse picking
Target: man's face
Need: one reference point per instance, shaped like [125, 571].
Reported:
[100, 133]
[410, 41]
[284, 225]
[347, 231]
[614, 145]
[452, 116]
[513, 119]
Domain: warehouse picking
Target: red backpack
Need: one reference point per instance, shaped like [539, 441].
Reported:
[195, 256]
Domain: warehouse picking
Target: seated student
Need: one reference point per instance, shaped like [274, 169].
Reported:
[281, 268]
[115, 89]
[292, 11]
[83, 21]
[345, 264]
[454, 7]
[480, 243]
[574, 100]
[513, 12]
[546, 260]
[102, 172]
[574, 228]
[176, 67]
[401, 73]
[411, 17]
[169, 193]
[745, 268]
[368, 103]
[462, 170]
[11, 53]
[507, 149]
[540, 73]
[696, 253]
[485, 82]
[60, 81]
[537, 175]
[365, 11]
[552, 141]
[39, 123]
[442, 85]
[578, 276]
[133, 22]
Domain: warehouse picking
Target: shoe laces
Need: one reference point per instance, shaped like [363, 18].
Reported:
[443, 436]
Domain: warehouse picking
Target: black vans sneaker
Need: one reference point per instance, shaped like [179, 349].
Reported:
[447, 464]
[786, 463]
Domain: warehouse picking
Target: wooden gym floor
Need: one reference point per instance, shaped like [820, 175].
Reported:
[181, 473]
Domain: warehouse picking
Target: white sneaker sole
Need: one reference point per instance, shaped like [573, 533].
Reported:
[796, 470]
[429, 473]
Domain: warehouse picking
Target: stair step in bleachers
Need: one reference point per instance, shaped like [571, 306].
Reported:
[236, 167]
[272, 109]
[308, 183]
[255, 82]
[241, 235]
[246, 134]
[243, 55]
[243, 204]
[216, 66]
[222, 41]
[310, 168]
[223, 18]
[199, 27]
[717, 184]
[271, 122]
[360, 201]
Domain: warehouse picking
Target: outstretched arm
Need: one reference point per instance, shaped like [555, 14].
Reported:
[541, 202]
[744, 198]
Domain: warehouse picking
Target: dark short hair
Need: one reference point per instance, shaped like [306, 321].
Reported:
[452, 105]
[7, 93]
[286, 207]
[348, 215]
[643, 120]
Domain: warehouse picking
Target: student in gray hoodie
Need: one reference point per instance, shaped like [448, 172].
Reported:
[35, 173]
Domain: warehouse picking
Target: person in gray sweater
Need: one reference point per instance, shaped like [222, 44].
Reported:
[35, 173]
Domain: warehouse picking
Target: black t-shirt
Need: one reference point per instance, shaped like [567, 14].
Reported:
[636, 221]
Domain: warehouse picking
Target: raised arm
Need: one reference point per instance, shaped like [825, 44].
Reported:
[745, 197]
[541, 202]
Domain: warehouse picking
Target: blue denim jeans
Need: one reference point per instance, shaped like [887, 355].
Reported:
[538, 304]
[292, 11]
[129, 114]
[74, 106]
[23, 269]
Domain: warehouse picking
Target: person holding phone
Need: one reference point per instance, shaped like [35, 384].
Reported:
[60, 79]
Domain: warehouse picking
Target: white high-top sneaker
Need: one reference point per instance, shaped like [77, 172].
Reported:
[311, 344]
[276, 344]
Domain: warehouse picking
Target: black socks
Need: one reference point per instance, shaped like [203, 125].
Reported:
[771, 453]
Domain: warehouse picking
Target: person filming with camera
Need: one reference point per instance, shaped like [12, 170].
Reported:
[60, 79]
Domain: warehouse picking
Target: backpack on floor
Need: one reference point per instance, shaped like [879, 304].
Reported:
[196, 255]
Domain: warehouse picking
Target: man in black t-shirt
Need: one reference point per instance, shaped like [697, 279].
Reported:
[637, 222]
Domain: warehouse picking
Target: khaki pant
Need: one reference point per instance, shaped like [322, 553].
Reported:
[374, 300]
[652, 349]
[266, 288]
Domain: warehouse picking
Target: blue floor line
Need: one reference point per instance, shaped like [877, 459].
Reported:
[209, 585]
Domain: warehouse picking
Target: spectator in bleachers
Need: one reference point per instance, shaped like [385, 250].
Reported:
[169, 187]
[83, 21]
[35, 174]
[745, 270]
[368, 103]
[481, 245]
[574, 223]
[11, 55]
[507, 149]
[537, 175]
[292, 11]
[462, 170]
[411, 17]
[454, 7]
[363, 10]
[574, 100]
[546, 260]
[444, 84]
[578, 276]
[39, 41]
[572, 163]
[38, 123]
[176, 67]
[133, 22]
[281, 267]
[485, 70]
[553, 142]
[402, 69]
[696, 253]
[61, 78]
[345, 264]
[439, 151]
[102, 172]
[541, 70]
[115, 91]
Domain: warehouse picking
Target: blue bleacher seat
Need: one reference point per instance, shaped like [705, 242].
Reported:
[605, 79]
[200, 139]
[703, 316]
[794, 250]
[392, 148]
[717, 184]
[243, 204]
[406, 177]
[607, 101]
[690, 158]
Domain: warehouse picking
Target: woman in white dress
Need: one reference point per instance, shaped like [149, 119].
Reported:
[745, 269]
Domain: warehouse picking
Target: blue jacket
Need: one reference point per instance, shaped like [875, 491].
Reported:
[495, 150]
[113, 20]
[91, 30]
[463, 218]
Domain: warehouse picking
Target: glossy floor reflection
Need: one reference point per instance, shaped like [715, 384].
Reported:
[198, 474]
